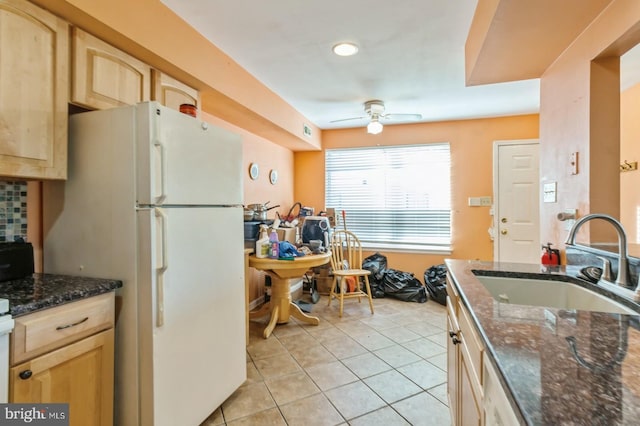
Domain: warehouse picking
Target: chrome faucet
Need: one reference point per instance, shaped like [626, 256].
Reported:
[623, 265]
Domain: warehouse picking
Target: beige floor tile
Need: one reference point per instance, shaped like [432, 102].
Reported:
[425, 348]
[392, 386]
[423, 410]
[424, 374]
[311, 355]
[439, 338]
[278, 365]
[214, 419]
[439, 361]
[270, 417]
[323, 334]
[379, 322]
[344, 347]
[287, 329]
[373, 340]
[440, 392]
[425, 329]
[397, 356]
[247, 400]
[294, 341]
[263, 348]
[331, 375]
[400, 334]
[285, 389]
[252, 374]
[366, 365]
[315, 410]
[383, 417]
[354, 399]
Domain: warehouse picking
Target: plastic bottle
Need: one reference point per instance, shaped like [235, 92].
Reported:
[274, 245]
[262, 244]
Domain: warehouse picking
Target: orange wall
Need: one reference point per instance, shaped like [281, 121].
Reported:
[579, 112]
[268, 156]
[630, 151]
[471, 176]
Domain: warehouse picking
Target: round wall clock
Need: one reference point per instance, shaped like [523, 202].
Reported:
[254, 171]
[273, 177]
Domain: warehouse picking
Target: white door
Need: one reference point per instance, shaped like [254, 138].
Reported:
[191, 312]
[516, 208]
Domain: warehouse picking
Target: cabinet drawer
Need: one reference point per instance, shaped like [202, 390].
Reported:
[40, 332]
[472, 343]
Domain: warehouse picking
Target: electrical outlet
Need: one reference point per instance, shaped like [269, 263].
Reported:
[485, 201]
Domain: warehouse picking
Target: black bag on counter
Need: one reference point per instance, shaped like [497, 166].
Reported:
[404, 286]
[435, 279]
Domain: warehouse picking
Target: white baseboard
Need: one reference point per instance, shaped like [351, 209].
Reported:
[295, 286]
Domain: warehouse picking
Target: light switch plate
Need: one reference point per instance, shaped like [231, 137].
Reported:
[549, 192]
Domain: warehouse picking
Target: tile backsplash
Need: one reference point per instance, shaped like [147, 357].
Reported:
[13, 210]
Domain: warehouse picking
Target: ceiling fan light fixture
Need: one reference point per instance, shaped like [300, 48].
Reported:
[345, 49]
[374, 127]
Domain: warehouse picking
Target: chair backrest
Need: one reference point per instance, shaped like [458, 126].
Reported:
[345, 247]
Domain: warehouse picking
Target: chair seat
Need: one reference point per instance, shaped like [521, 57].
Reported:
[351, 272]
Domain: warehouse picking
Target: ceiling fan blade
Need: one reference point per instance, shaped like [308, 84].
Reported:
[405, 117]
[348, 119]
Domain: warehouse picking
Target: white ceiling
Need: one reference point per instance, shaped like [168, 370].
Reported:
[411, 56]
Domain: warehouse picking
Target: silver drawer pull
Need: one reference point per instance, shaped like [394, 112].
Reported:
[62, 327]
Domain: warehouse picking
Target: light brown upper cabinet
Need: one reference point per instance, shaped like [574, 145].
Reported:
[172, 93]
[104, 76]
[34, 84]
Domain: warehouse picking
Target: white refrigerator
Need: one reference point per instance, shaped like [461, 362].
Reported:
[154, 198]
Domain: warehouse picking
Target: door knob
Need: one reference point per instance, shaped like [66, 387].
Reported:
[503, 232]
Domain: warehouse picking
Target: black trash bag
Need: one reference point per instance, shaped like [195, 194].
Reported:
[404, 286]
[377, 264]
[435, 279]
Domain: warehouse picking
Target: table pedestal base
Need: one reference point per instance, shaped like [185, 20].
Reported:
[281, 307]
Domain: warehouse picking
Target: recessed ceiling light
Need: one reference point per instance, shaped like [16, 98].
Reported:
[345, 49]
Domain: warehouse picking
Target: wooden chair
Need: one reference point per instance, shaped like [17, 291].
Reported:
[346, 265]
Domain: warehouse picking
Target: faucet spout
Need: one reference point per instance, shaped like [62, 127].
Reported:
[623, 265]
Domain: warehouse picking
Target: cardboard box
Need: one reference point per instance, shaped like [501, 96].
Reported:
[323, 284]
[287, 234]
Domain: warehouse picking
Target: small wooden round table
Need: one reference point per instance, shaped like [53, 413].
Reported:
[282, 272]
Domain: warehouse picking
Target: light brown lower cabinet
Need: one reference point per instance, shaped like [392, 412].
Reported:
[464, 365]
[80, 374]
[66, 355]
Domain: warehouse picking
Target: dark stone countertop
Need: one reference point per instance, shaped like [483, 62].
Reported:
[43, 291]
[528, 345]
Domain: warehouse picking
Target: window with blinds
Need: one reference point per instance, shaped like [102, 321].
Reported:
[393, 196]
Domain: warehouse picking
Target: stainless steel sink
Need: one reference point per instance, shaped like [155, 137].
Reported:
[549, 293]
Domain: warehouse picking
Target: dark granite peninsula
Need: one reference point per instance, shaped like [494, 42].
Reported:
[43, 291]
[557, 366]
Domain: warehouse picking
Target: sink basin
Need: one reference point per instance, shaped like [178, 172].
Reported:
[549, 293]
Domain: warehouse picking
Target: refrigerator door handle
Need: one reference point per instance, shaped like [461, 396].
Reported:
[163, 172]
[162, 268]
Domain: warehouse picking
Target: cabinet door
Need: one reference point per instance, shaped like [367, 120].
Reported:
[106, 77]
[470, 404]
[80, 374]
[171, 92]
[453, 353]
[34, 84]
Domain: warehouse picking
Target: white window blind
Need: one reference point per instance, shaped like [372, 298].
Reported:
[393, 196]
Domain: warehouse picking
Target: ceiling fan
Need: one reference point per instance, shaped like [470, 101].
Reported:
[375, 113]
